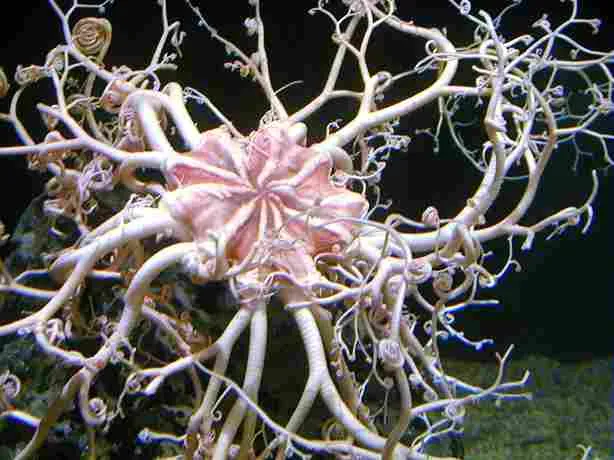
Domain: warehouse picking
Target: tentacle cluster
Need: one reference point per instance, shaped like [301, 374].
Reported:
[274, 216]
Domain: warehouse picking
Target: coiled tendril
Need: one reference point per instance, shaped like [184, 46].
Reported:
[92, 36]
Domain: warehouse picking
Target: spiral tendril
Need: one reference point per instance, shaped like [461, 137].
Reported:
[92, 36]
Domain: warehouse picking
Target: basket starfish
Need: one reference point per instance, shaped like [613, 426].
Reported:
[269, 186]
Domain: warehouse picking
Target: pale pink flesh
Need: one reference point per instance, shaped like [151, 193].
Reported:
[263, 189]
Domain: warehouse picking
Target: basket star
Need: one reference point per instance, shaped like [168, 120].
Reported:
[243, 192]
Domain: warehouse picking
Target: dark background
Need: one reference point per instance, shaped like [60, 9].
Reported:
[558, 305]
